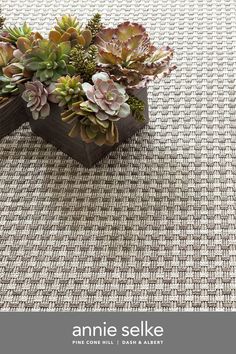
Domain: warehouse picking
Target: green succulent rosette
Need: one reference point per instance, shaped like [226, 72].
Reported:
[48, 60]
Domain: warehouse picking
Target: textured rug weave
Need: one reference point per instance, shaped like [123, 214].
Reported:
[152, 226]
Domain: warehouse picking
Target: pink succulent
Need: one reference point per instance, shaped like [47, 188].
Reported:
[106, 98]
[37, 96]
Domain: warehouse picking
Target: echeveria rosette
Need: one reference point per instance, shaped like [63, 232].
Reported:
[127, 54]
[96, 111]
[48, 60]
[106, 98]
[37, 96]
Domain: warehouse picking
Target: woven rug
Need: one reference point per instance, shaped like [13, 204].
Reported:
[152, 226]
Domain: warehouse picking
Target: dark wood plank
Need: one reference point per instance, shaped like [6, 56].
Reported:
[12, 115]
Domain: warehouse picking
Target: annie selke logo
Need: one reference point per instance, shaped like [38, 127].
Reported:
[109, 334]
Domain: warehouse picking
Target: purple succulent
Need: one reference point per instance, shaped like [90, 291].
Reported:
[106, 98]
[37, 96]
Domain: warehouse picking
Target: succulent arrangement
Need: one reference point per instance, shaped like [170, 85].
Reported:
[90, 71]
[127, 54]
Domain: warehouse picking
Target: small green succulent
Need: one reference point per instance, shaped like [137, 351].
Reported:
[7, 87]
[84, 61]
[66, 22]
[48, 60]
[11, 34]
[68, 29]
[68, 89]
[95, 25]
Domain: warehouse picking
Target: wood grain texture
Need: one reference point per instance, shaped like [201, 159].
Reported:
[54, 131]
[12, 115]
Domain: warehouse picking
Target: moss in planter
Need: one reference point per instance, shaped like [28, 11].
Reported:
[137, 108]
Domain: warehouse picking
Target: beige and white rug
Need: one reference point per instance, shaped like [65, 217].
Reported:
[153, 226]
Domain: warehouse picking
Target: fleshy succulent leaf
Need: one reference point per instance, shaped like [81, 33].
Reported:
[6, 53]
[54, 36]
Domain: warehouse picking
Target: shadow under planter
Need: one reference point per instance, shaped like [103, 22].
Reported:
[55, 131]
[12, 115]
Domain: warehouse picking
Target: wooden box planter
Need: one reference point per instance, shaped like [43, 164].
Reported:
[54, 131]
[12, 115]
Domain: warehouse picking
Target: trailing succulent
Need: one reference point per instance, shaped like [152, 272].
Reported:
[127, 54]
